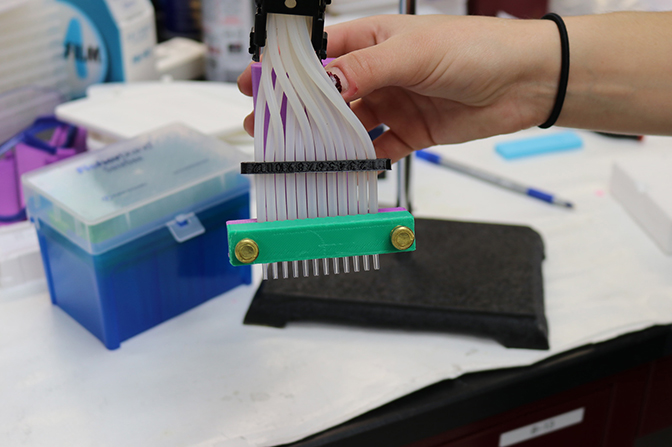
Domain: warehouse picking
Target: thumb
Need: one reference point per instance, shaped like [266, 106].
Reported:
[364, 71]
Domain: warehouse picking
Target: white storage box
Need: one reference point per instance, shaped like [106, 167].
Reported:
[643, 185]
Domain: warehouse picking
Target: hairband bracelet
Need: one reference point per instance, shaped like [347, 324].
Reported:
[564, 70]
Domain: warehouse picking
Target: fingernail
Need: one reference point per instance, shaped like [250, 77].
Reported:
[339, 80]
[336, 80]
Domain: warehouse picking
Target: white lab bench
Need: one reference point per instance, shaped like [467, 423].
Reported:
[204, 379]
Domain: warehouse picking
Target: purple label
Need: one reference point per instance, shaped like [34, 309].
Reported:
[245, 221]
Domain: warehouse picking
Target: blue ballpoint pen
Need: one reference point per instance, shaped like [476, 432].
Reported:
[494, 179]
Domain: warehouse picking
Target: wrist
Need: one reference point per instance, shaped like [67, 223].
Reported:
[539, 70]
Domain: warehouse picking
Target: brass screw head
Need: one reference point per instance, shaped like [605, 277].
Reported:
[247, 251]
[402, 237]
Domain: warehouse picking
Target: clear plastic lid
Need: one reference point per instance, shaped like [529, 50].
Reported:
[100, 200]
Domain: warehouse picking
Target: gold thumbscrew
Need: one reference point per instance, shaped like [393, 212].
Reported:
[402, 237]
[247, 251]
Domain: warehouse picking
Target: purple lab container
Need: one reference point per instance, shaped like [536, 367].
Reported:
[25, 158]
[10, 204]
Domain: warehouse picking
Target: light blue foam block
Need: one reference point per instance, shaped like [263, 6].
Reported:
[561, 141]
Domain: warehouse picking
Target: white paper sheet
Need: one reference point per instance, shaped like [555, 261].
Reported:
[203, 379]
[20, 260]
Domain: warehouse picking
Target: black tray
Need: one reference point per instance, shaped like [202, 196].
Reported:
[464, 277]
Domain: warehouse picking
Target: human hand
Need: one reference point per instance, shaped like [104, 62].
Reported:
[442, 79]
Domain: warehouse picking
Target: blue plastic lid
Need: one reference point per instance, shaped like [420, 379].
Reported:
[100, 200]
[554, 142]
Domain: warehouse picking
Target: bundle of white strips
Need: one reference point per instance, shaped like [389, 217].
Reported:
[319, 125]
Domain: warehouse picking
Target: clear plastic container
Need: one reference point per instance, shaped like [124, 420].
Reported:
[135, 233]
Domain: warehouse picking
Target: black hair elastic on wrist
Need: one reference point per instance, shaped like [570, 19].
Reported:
[564, 70]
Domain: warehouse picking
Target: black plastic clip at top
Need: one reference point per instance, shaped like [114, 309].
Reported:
[307, 8]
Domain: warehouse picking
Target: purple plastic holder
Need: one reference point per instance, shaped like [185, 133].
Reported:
[10, 204]
[246, 221]
[25, 158]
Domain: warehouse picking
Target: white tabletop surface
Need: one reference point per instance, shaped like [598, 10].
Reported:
[204, 379]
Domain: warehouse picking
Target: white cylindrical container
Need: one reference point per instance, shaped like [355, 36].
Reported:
[226, 32]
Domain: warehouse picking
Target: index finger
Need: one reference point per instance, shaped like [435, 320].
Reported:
[245, 81]
[347, 37]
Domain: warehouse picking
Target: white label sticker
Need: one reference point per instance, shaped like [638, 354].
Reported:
[541, 428]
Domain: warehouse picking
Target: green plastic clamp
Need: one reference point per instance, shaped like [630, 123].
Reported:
[319, 238]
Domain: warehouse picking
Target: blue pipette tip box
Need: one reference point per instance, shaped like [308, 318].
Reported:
[556, 142]
[135, 234]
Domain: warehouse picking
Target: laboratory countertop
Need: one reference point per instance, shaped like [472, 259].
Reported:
[204, 379]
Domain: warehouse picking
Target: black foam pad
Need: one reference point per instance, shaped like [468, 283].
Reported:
[464, 277]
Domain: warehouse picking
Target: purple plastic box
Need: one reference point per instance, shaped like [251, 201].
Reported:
[24, 158]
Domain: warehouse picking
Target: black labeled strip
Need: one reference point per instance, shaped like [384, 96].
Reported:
[295, 167]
